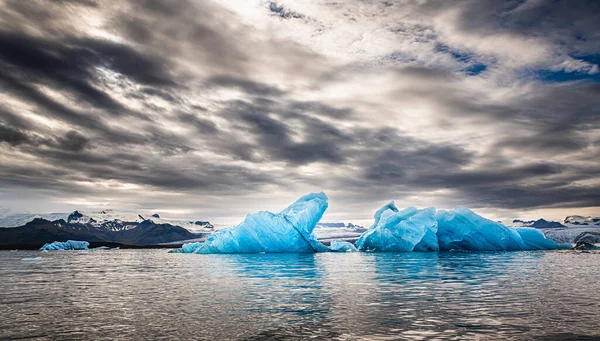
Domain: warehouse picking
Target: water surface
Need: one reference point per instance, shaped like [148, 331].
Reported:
[151, 294]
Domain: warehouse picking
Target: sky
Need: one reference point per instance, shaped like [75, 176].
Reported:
[213, 110]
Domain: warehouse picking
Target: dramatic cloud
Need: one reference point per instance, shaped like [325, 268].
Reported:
[215, 109]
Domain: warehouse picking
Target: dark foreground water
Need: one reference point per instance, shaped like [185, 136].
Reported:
[150, 294]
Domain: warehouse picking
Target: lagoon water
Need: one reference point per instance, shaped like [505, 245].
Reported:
[151, 294]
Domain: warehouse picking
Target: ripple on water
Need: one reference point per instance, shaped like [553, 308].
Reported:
[151, 294]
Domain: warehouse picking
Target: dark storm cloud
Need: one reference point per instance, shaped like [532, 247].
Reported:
[286, 135]
[556, 118]
[12, 136]
[203, 125]
[71, 65]
[183, 28]
[563, 20]
[73, 141]
[51, 108]
[89, 3]
[10, 118]
[160, 93]
[523, 197]
[246, 85]
[549, 17]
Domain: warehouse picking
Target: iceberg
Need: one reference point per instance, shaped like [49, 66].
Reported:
[458, 230]
[534, 239]
[342, 246]
[394, 230]
[407, 230]
[463, 230]
[290, 230]
[68, 245]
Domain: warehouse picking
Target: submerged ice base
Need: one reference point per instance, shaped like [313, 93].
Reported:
[68, 245]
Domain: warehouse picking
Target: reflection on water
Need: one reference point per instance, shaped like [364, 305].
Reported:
[151, 294]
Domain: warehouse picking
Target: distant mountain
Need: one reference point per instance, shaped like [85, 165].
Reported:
[105, 219]
[331, 225]
[101, 227]
[578, 220]
[337, 225]
[539, 224]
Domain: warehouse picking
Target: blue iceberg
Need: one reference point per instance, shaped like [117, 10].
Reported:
[407, 230]
[188, 248]
[463, 230]
[342, 246]
[458, 230]
[68, 245]
[290, 230]
[534, 239]
[410, 229]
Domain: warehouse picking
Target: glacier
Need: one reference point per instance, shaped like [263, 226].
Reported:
[290, 230]
[68, 245]
[394, 230]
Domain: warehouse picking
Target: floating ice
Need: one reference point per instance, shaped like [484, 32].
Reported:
[462, 229]
[188, 248]
[457, 230]
[406, 230]
[534, 239]
[68, 245]
[411, 229]
[342, 246]
[100, 248]
[36, 259]
[290, 230]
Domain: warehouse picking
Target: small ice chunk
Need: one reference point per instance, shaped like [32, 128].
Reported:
[342, 246]
[36, 259]
[68, 245]
[187, 248]
[101, 248]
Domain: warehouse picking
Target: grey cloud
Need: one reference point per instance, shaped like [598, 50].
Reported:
[315, 141]
[247, 85]
[156, 120]
[74, 141]
[12, 136]
[203, 125]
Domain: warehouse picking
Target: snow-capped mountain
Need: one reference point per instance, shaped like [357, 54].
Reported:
[577, 220]
[540, 223]
[10, 219]
[574, 229]
[107, 220]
